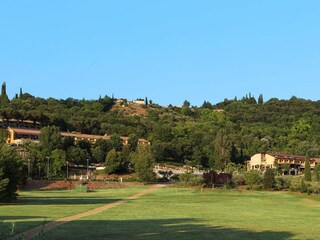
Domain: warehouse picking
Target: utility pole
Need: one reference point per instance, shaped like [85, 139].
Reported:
[29, 169]
[48, 167]
[67, 170]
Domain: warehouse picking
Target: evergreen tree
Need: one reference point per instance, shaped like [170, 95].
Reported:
[260, 99]
[21, 94]
[268, 179]
[186, 103]
[4, 100]
[307, 170]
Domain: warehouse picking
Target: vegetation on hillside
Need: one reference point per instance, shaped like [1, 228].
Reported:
[209, 136]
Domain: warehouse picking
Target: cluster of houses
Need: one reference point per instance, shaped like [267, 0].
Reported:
[25, 131]
[21, 131]
[290, 164]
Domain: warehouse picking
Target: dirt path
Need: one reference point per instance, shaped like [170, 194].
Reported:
[35, 231]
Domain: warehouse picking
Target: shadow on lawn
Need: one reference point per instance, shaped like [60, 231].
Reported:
[14, 218]
[57, 200]
[156, 229]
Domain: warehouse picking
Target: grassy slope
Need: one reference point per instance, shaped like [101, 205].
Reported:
[191, 214]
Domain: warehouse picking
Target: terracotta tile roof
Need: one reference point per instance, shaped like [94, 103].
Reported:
[26, 131]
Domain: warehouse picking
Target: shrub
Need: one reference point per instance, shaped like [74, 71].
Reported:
[258, 187]
[189, 179]
[252, 178]
[314, 188]
[212, 178]
[238, 178]
[283, 182]
[299, 185]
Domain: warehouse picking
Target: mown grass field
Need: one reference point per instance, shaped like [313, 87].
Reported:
[169, 213]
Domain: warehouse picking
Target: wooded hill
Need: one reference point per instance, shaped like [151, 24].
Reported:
[210, 136]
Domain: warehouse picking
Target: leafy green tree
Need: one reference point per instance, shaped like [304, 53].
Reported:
[221, 150]
[4, 134]
[112, 162]
[58, 160]
[67, 142]
[269, 179]
[307, 169]
[11, 173]
[77, 155]
[50, 139]
[125, 158]
[116, 142]
[100, 150]
[133, 141]
[144, 163]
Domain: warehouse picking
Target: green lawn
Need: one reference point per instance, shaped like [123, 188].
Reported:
[33, 207]
[174, 214]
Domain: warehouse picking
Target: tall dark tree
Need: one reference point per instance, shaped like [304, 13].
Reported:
[146, 102]
[269, 179]
[186, 103]
[307, 169]
[260, 99]
[20, 94]
[4, 100]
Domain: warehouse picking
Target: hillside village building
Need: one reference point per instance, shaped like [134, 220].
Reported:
[291, 164]
[5, 123]
[18, 136]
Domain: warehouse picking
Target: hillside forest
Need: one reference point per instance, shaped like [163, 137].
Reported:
[207, 136]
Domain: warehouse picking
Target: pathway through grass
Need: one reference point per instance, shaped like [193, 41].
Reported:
[35, 231]
[192, 214]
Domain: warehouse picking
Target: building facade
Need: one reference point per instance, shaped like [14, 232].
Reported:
[290, 164]
[18, 136]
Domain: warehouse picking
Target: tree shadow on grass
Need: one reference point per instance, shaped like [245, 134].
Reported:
[151, 229]
[57, 200]
[14, 218]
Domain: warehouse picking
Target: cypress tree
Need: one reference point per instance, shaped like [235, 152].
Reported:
[268, 179]
[260, 99]
[307, 170]
[4, 100]
[21, 94]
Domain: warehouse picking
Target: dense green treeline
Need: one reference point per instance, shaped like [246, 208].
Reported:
[209, 136]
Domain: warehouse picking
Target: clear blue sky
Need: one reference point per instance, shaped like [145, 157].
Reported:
[166, 50]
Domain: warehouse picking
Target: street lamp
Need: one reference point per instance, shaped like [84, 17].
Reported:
[48, 167]
[87, 168]
[39, 167]
[29, 169]
[67, 170]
